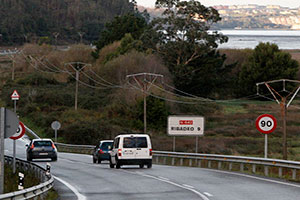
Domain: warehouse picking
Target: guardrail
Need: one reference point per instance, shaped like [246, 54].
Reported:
[32, 192]
[265, 166]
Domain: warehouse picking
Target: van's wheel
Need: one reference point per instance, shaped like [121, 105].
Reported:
[149, 165]
[117, 163]
[141, 166]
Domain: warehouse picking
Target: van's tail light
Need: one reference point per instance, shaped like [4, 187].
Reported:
[119, 152]
[53, 146]
[150, 152]
[32, 146]
[100, 151]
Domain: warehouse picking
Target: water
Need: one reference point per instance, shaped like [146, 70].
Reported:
[241, 39]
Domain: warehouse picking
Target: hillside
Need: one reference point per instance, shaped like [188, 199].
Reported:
[47, 94]
[63, 20]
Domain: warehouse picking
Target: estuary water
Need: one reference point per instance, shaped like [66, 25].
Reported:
[241, 39]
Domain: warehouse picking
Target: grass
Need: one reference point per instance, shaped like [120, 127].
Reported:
[11, 182]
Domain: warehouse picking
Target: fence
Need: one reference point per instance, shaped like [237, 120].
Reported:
[35, 191]
[268, 167]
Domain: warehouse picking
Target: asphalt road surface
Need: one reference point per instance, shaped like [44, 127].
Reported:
[77, 177]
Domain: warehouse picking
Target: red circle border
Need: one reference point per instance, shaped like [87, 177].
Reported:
[21, 134]
[266, 115]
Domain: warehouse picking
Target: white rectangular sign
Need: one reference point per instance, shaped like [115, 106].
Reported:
[185, 125]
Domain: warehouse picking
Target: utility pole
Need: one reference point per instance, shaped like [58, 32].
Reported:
[77, 67]
[81, 35]
[55, 34]
[144, 82]
[283, 103]
[12, 56]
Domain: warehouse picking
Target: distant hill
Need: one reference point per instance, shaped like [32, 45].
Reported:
[65, 20]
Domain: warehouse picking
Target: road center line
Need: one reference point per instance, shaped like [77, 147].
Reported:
[189, 186]
[79, 196]
[207, 194]
[175, 184]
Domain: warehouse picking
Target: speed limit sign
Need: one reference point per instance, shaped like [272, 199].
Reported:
[266, 123]
[20, 132]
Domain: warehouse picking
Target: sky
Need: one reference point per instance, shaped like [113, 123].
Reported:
[283, 3]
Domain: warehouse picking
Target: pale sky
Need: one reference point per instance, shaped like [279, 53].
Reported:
[284, 3]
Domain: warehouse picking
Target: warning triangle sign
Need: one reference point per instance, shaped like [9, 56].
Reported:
[15, 95]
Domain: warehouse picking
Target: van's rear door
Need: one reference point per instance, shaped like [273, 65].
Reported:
[129, 148]
[142, 148]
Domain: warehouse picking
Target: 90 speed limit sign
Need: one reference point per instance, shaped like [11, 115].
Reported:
[266, 123]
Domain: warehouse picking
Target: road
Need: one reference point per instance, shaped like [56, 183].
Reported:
[77, 177]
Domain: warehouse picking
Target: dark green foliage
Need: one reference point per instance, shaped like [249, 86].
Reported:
[37, 79]
[183, 40]
[265, 64]
[157, 113]
[133, 23]
[27, 20]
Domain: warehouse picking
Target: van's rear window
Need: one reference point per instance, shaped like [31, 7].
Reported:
[135, 142]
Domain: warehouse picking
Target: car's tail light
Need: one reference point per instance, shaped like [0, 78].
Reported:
[100, 151]
[119, 152]
[53, 146]
[150, 152]
[32, 146]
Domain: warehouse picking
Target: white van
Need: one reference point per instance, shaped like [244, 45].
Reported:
[131, 149]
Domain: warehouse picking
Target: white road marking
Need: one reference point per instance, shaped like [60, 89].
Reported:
[172, 183]
[163, 178]
[79, 196]
[207, 194]
[189, 186]
[254, 177]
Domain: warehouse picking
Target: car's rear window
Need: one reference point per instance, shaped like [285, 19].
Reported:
[135, 142]
[42, 143]
[104, 145]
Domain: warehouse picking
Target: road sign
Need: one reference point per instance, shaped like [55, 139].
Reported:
[55, 125]
[11, 123]
[185, 125]
[15, 95]
[266, 123]
[20, 132]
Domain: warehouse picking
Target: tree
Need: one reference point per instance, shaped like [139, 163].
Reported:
[133, 23]
[266, 63]
[183, 39]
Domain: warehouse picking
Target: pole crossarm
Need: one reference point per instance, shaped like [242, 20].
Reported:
[283, 103]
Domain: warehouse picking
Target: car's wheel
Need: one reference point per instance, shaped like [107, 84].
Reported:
[29, 159]
[149, 165]
[141, 166]
[94, 160]
[118, 166]
[54, 159]
[99, 161]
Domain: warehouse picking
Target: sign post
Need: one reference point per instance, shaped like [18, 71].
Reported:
[20, 133]
[15, 97]
[185, 126]
[55, 126]
[8, 126]
[266, 124]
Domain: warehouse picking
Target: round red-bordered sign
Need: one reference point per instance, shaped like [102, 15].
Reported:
[20, 132]
[266, 123]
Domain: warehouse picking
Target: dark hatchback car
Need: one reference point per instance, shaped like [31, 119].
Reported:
[41, 149]
[102, 152]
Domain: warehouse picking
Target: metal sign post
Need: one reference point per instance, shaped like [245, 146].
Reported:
[174, 143]
[15, 97]
[197, 138]
[55, 126]
[266, 124]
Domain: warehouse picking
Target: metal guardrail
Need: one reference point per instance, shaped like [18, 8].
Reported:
[32, 192]
[285, 168]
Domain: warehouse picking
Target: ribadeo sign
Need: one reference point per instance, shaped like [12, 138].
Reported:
[185, 125]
